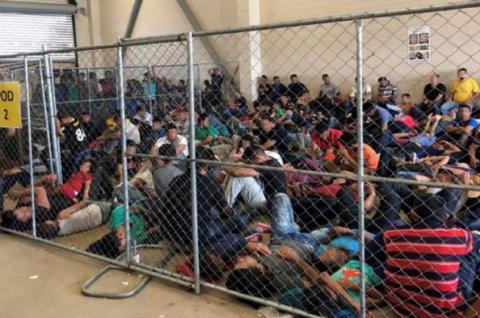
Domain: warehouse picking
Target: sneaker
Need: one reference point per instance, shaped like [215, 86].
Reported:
[262, 228]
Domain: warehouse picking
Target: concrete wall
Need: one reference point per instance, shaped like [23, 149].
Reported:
[307, 51]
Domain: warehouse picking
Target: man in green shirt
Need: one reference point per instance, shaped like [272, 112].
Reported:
[205, 134]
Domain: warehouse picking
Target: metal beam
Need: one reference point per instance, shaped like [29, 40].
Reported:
[206, 42]
[36, 8]
[133, 18]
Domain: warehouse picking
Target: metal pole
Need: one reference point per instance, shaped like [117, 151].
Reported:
[149, 83]
[121, 98]
[193, 170]
[51, 102]
[45, 114]
[87, 79]
[361, 174]
[30, 146]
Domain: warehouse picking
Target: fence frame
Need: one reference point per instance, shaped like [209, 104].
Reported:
[188, 38]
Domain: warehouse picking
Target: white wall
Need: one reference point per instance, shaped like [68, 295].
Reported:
[307, 51]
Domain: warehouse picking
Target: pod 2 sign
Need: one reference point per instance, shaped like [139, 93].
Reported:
[10, 111]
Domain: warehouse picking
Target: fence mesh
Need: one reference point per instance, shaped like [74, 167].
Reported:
[275, 117]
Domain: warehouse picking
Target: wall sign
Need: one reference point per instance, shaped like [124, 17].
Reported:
[419, 45]
[10, 110]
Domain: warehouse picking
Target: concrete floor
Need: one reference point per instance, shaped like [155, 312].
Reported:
[39, 281]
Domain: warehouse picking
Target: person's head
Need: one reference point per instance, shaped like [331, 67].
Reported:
[322, 128]
[131, 147]
[464, 112]
[382, 80]
[430, 210]
[247, 141]
[316, 300]
[211, 267]
[434, 78]
[333, 256]
[462, 73]
[18, 219]
[369, 107]
[141, 111]
[64, 117]
[81, 77]
[166, 150]
[255, 155]
[262, 80]
[348, 139]
[108, 74]
[171, 132]
[92, 75]
[85, 166]
[276, 79]
[251, 281]
[267, 123]
[294, 78]
[181, 82]
[156, 124]
[326, 79]
[406, 98]
[86, 117]
[203, 153]
[203, 120]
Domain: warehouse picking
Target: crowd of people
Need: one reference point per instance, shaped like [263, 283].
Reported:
[270, 230]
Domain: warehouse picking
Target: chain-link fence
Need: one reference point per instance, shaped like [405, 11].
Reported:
[322, 168]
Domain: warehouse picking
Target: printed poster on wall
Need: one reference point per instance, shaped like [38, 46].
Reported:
[419, 45]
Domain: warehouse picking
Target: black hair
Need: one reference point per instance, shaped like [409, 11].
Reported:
[211, 270]
[318, 302]
[47, 231]
[131, 143]
[9, 221]
[85, 112]
[135, 121]
[63, 114]
[325, 75]
[348, 138]
[252, 282]
[430, 208]
[269, 118]
[321, 126]
[462, 69]
[406, 95]
[465, 106]
[167, 150]
[139, 108]
[368, 106]
[252, 152]
[381, 78]
[293, 75]
[276, 77]
[156, 119]
[202, 117]
[170, 126]
[249, 138]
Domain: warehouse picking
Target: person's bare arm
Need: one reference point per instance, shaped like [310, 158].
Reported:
[472, 154]
[269, 144]
[241, 172]
[86, 190]
[206, 140]
[370, 200]
[68, 212]
[120, 173]
[180, 149]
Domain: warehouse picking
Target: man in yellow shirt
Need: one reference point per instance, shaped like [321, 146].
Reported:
[464, 91]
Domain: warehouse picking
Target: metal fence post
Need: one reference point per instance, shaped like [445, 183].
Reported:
[45, 114]
[193, 170]
[51, 104]
[149, 96]
[360, 163]
[30, 146]
[121, 99]
[87, 78]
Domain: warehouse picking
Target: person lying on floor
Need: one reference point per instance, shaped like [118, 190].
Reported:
[142, 229]
[20, 219]
[329, 269]
[77, 188]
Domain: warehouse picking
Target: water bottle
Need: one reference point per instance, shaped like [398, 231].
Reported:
[134, 251]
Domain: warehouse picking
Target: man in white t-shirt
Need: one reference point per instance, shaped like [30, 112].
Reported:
[144, 116]
[179, 141]
[367, 90]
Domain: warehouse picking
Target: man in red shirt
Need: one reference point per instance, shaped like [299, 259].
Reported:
[325, 139]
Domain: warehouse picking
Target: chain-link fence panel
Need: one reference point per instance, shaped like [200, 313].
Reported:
[235, 160]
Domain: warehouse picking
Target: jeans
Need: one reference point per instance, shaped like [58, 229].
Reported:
[134, 195]
[283, 222]
[447, 107]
